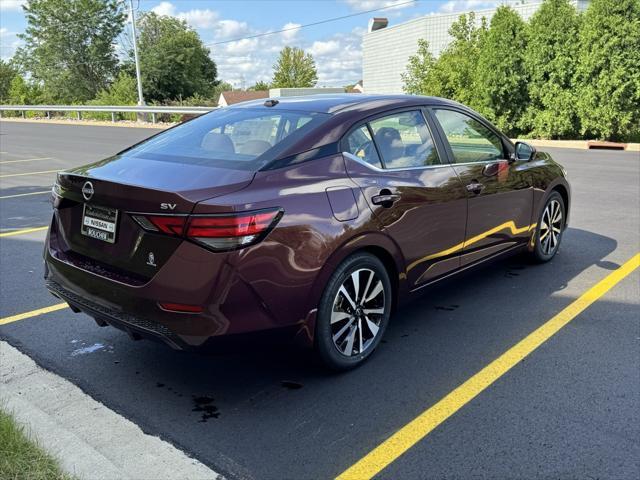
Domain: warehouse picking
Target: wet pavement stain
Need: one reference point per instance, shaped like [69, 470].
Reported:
[291, 385]
[205, 405]
[159, 385]
[448, 308]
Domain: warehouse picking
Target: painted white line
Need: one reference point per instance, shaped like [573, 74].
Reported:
[90, 440]
[26, 160]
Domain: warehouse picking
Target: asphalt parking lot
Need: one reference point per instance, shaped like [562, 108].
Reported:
[571, 409]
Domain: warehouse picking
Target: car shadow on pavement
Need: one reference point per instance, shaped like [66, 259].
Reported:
[513, 288]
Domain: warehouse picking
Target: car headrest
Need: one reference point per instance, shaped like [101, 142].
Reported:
[254, 147]
[217, 142]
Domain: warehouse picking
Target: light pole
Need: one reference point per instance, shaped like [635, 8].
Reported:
[135, 53]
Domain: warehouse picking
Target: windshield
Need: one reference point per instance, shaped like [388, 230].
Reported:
[240, 138]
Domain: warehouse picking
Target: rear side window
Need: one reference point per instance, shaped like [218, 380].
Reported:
[404, 140]
[360, 144]
[469, 139]
[242, 138]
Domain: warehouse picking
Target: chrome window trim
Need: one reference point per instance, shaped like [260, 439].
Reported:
[426, 167]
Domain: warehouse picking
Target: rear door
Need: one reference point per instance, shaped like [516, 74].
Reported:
[499, 189]
[412, 190]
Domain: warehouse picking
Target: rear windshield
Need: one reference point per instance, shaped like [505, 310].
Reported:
[242, 138]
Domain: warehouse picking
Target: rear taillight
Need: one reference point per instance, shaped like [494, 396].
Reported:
[217, 232]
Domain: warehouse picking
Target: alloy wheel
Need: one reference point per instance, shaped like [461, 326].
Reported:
[357, 312]
[551, 227]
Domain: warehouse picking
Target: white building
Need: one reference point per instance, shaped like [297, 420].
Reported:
[386, 49]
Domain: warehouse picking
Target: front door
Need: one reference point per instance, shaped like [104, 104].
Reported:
[412, 190]
[499, 190]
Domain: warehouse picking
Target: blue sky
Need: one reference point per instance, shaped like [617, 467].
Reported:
[336, 46]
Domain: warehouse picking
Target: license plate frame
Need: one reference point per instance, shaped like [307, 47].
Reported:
[100, 223]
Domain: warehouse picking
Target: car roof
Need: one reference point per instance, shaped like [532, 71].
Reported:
[334, 103]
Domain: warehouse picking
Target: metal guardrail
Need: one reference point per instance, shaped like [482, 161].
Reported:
[113, 109]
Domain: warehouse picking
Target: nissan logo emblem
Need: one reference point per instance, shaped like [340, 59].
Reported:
[87, 191]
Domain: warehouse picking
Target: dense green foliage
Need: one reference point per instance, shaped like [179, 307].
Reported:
[7, 73]
[608, 72]
[550, 60]
[69, 46]
[561, 75]
[173, 60]
[294, 69]
[452, 75]
[500, 87]
[259, 85]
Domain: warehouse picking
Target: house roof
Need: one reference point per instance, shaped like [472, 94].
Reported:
[237, 96]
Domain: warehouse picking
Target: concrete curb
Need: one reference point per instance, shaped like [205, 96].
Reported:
[89, 440]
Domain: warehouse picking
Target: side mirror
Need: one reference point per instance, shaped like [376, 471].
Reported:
[524, 151]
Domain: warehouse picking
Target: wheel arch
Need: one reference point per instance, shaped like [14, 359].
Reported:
[375, 243]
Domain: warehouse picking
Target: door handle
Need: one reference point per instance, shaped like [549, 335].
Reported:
[475, 187]
[385, 199]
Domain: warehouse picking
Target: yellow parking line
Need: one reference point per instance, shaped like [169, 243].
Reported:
[25, 194]
[28, 173]
[405, 438]
[33, 313]
[11, 233]
[25, 160]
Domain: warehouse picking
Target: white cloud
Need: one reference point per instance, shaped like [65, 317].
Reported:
[464, 5]
[292, 30]
[228, 29]
[246, 61]
[6, 5]
[164, 8]
[198, 18]
[319, 48]
[364, 5]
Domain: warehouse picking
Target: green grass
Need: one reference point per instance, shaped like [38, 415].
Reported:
[21, 458]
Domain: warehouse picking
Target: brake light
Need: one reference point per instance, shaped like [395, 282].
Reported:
[171, 224]
[224, 232]
[217, 232]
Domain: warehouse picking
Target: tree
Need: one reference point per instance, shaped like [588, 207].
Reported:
[418, 77]
[501, 80]
[550, 62]
[7, 73]
[174, 63]
[123, 91]
[259, 85]
[608, 73]
[294, 69]
[69, 46]
[453, 74]
[23, 93]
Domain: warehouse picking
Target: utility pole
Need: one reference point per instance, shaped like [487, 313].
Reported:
[135, 53]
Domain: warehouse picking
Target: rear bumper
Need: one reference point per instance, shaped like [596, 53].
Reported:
[135, 327]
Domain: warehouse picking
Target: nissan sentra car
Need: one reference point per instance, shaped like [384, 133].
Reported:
[311, 216]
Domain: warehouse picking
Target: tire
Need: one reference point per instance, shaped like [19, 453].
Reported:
[359, 318]
[548, 237]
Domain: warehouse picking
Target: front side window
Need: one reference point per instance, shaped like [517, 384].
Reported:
[241, 138]
[404, 140]
[360, 144]
[469, 139]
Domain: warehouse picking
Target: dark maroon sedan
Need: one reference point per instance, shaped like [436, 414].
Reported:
[317, 215]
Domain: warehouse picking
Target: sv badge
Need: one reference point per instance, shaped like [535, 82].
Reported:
[168, 206]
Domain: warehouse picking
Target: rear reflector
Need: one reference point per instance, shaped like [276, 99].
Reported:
[217, 232]
[180, 308]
